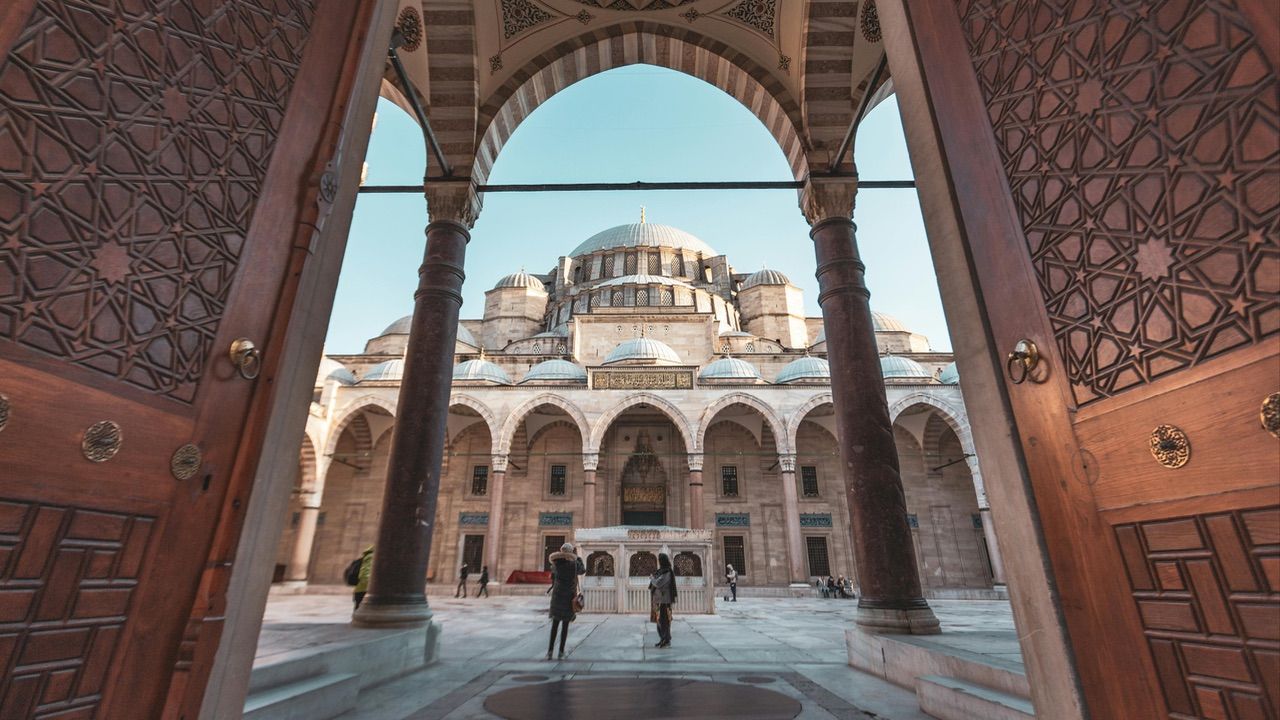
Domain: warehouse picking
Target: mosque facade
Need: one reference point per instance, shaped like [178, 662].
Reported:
[642, 381]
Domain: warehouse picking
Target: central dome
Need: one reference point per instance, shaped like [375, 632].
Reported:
[642, 350]
[643, 235]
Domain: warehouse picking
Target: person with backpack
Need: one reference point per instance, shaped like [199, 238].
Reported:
[662, 593]
[463, 572]
[483, 583]
[357, 575]
[566, 601]
[732, 576]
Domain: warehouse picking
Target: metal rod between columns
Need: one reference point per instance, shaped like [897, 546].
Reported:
[641, 185]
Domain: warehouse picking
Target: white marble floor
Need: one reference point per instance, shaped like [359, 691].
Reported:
[489, 643]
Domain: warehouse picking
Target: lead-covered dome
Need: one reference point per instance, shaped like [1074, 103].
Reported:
[766, 276]
[643, 350]
[805, 369]
[550, 370]
[520, 279]
[643, 235]
[402, 326]
[331, 369]
[729, 368]
[389, 370]
[481, 370]
[884, 322]
[950, 375]
[892, 366]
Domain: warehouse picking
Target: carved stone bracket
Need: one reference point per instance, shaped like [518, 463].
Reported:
[498, 463]
[590, 461]
[825, 198]
[787, 463]
[453, 201]
[695, 462]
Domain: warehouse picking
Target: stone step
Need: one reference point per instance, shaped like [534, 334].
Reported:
[318, 697]
[948, 698]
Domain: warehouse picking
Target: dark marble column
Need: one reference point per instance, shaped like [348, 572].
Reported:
[590, 461]
[697, 496]
[891, 599]
[397, 592]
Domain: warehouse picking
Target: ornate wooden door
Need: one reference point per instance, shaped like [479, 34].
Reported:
[157, 161]
[1114, 170]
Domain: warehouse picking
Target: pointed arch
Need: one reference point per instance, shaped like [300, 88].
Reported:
[486, 414]
[776, 425]
[953, 416]
[516, 416]
[352, 411]
[797, 417]
[602, 423]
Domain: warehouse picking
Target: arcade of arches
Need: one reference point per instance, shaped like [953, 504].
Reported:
[1098, 182]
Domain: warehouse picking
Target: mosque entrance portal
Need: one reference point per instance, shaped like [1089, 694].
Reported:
[644, 486]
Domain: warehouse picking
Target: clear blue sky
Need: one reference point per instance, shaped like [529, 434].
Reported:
[634, 123]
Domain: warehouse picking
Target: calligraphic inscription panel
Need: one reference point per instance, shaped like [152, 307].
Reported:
[134, 142]
[1141, 142]
[654, 380]
[67, 581]
[1207, 588]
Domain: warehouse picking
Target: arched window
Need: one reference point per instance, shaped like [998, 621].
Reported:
[642, 297]
[643, 564]
[655, 264]
[595, 300]
[599, 564]
[665, 298]
[631, 263]
[617, 299]
[687, 564]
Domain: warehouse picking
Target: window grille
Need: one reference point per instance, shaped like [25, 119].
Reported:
[665, 298]
[642, 297]
[819, 563]
[558, 473]
[809, 480]
[631, 263]
[729, 480]
[473, 552]
[735, 553]
[595, 301]
[655, 264]
[480, 480]
[617, 299]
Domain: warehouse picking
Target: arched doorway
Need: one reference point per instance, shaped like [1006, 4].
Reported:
[643, 459]
[820, 477]
[466, 491]
[352, 501]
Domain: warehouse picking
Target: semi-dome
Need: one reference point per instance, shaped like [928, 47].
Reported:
[389, 370]
[482, 370]
[884, 322]
[729, 368]
[401, 327]
[767, 276]
[643, 235]
[892, 366]
[520, 279]
[950, 375]
[805, 368]
[332, 369]
[642, 349]
[643, 279]
[554, 370]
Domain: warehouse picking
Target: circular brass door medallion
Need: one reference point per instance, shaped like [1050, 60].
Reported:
[1270, 415]
[185, 462]
[1170, 446]
[4, 411]
[101, 441]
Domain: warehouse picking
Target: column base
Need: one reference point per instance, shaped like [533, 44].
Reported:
[913, 621]
[397, 615]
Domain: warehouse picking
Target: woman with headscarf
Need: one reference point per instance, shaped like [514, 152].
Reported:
[662, 590]
[566, 566]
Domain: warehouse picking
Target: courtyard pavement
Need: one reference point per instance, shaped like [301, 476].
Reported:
[792, 646]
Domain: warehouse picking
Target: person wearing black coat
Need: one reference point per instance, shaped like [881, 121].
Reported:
[662, 592]
[566, 566]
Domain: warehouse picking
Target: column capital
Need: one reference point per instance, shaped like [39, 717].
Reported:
[787, 462]
[695, 462]
[824, 198]
[453, 201]
[498, 463]
[590, 461]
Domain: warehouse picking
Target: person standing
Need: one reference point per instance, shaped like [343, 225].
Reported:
[566, 566]
[462, 582]
[483, 583]
[732, 576]
[362, 584]
[662, 592]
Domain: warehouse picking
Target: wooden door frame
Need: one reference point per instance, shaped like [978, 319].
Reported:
[970, 222]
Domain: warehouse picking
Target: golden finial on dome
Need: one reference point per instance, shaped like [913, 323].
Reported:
[641, 214]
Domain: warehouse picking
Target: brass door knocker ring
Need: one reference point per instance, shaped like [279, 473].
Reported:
[1022, 361]
[246, 357]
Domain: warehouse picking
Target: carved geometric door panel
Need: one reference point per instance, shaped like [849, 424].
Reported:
[1114, 172]
[152, 157]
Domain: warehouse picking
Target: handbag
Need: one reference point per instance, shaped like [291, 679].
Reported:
[653, 613]
[579, 601]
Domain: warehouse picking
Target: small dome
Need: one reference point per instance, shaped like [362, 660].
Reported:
[736, 333]
[729, 368]
[805, 368]
[554, 370]
[643, 349]
[389, 370]
[481, 370]
[332, 369]
[766, 276]
[892, 366]
[950, 375]
[643, 235]
[520, 279]
[401, 327]
[887, 323]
